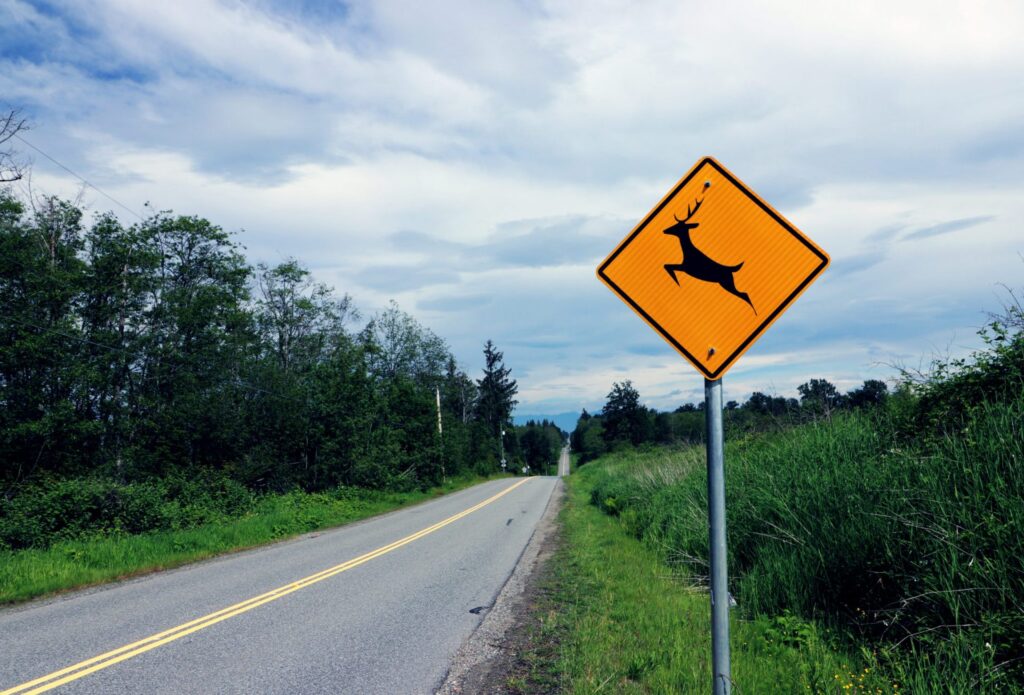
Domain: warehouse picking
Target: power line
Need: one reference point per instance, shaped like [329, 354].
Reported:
[238, 381]
[82, 179]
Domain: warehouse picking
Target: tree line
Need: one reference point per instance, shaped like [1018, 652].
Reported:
[625, 421]
[539, 445]
[142, 351]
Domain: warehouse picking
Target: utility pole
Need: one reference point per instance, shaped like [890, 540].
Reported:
[440, 433]
[501, 447]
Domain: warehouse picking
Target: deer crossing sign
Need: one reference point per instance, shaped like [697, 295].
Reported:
[711, 267]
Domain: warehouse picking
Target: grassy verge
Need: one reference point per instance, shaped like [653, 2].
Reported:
[619, 620]
[910, 549]
[26, 574]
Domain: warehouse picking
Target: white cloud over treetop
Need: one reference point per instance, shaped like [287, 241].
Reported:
[472, 160]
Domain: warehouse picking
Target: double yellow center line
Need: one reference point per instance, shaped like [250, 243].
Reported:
[128, 651]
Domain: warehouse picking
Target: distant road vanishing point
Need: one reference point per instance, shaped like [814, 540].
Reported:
[378, 606]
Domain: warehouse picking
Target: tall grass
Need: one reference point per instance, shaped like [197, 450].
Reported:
[915, 549]
[619, 621]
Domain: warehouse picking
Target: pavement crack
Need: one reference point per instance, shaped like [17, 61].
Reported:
[508, 523]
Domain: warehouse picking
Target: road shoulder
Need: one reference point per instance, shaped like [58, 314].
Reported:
[489, 661]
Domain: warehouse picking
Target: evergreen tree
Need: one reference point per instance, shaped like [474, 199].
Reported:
[495, 391]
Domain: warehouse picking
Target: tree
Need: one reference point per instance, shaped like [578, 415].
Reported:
[587, 439]
[155, 351]
[872, 392]
[409, 363]
[663, 432]
[540, 444]
[764, 404]
[625, 420]
[458, 392]
[121, 264]
[44, 417]
[819, 396]
[298, 316]
[399, 346]
[495, 391]
[11, 123]
[199, 335]
[760, 403]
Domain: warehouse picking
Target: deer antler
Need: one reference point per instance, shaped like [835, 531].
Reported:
[689, 213]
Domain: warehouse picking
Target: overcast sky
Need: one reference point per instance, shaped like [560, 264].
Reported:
[474, 161]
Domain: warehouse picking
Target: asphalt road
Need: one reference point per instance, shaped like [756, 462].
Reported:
[379, 606]
[563, 463]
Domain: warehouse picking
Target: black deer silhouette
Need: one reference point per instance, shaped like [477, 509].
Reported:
[697, 264]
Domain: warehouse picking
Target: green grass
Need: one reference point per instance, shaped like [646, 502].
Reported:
[909, 550]
[33, 572]
[624, 622]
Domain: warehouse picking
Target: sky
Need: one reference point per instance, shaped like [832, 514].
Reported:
[475, 161]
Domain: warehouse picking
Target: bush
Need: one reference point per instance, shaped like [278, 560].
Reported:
[45, 512]
[955, 388]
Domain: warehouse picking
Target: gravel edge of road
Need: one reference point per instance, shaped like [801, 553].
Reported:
[484, 658]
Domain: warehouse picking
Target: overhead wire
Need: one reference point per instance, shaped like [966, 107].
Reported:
[239, 381]
[81, 178]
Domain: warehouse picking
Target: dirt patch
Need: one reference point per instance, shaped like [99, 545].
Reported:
[511, 652]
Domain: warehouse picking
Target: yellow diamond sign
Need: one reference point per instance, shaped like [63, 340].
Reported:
[711, 267]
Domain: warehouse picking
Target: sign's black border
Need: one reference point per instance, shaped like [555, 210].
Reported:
[760, 329]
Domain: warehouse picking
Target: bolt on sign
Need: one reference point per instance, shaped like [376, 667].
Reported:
[711, 267]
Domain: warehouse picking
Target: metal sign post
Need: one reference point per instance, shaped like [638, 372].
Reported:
[720, 670]
[743, 264]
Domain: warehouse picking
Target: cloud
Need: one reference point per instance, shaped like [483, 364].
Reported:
[948, 227]
[573, 240]
[474, 161]
[524, 243]
[400, 278]
[857, 263]
[886, 233]
[457, 303]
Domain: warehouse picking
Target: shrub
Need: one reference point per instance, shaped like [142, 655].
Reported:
[45, 512]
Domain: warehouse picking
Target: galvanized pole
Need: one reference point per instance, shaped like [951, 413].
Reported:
[721, 673]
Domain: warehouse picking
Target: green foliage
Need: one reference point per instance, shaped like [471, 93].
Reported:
[948, 396]
[623, 622]
[624, 422]
[135, 357]
[57, 510]
[207, 518]
[495, 390]
[820, 396]
[624, 418]
[540, 444]
[872, 393]
[908, 541]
